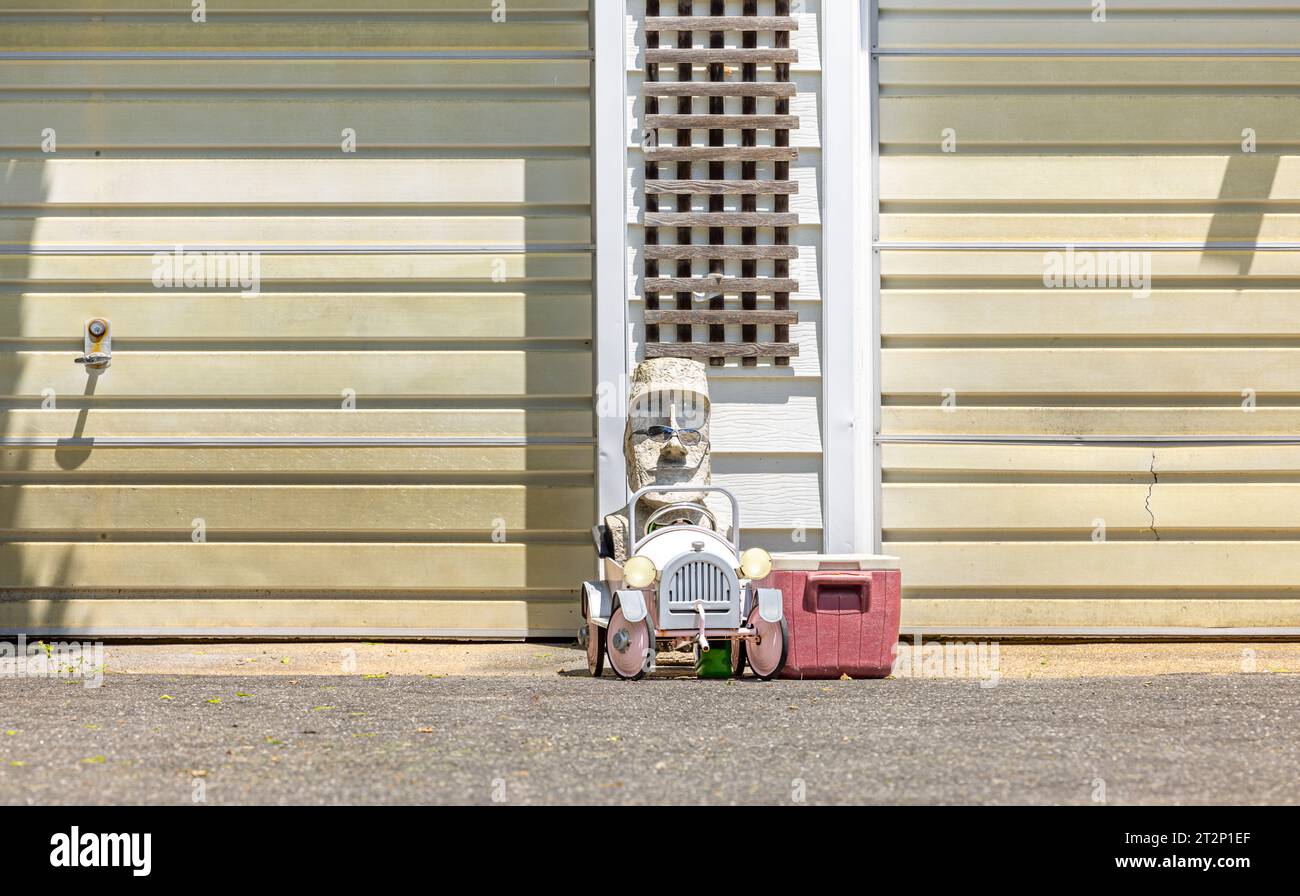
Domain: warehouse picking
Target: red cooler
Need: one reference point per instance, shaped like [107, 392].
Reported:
[842, 611]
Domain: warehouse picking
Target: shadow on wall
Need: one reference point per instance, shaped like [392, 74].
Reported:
[22, 192]
[1247, 187]
[30, 597]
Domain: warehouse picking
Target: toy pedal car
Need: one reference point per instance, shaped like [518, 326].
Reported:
[682, 584]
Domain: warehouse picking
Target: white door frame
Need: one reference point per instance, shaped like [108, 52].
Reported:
[851, 468]
[609, 231]
[850, 397]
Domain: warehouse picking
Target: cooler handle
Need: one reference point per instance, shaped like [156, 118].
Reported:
[859, 580]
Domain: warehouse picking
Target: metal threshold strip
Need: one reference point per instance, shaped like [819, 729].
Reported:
[235, 55]
[386, 249]
[1029, 633]
[1089, 51]
[1089, 247]
[1083, 440]
[298, 442]
[254, 633]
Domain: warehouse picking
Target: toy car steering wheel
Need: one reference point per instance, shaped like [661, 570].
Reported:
[684, 505]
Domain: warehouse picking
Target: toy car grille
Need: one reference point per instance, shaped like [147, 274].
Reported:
[698, 580]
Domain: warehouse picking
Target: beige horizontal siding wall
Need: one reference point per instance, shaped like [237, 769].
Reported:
[1096, 152]
[766, 425]
[441, 274]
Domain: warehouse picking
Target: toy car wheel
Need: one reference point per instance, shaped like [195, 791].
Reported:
[767, 653]
[630, 646]
[595, 650]
[738, 658]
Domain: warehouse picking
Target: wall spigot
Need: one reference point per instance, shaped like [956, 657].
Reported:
[98, 353]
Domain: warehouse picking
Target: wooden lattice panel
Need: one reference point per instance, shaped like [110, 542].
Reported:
[670, 175]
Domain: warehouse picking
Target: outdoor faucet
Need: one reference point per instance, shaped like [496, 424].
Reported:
[98, 351]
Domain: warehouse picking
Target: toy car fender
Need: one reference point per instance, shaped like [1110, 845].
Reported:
[633, 604]
[598, 600]
[769, 604]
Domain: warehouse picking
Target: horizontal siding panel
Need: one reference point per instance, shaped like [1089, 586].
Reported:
[785, 539]
[1043, 7]
[1226, 463]
[1058, 508]
[260, 124]
[1067, 73]
[79, 463]
[1065, 24]
[1085, 119]
[517, 33]
[324, 509]
[314, 77]
[353, 233]
[765, 415]
[255, 9]
[774, 491]
[1007, 183]
[476, 268]
[288, 422]
[1108, 371]
[534, 373]
[1206, 566]
[259, 7]
[1006, 189]
[335, 567]
[1169, 265]
[190, 316]
[233, 617]
[189, 184]
[1088, 226]
[1099, 420]
[1089, 313]
[978, 511]
[1101, 615]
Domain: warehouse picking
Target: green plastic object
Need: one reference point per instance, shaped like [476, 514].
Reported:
[714, 663]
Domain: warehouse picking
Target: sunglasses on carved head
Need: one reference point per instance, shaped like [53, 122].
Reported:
[688, 437]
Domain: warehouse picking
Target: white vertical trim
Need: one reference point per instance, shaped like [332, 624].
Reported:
[870, 345]
[609, 235]
[847, 378]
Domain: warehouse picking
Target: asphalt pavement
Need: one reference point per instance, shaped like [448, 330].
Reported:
[565, 738]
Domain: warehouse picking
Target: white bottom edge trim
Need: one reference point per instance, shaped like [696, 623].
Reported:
[1099, 632]
[932, 631]
[306, 634]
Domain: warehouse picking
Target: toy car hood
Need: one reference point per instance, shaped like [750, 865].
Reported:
[664, 545]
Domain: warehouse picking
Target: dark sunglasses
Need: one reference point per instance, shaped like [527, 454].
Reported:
[688, 437]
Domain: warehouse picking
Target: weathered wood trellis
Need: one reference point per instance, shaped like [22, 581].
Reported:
[684, 285]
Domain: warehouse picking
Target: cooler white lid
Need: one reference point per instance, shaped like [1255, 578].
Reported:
[833, 561]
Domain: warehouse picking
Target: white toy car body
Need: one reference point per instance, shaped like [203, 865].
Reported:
[683, 584]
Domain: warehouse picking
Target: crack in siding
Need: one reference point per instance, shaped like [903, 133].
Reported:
[1155, 480]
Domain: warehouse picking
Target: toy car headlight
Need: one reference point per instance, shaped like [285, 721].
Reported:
[640, 572]
[756, 563]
